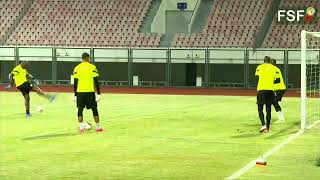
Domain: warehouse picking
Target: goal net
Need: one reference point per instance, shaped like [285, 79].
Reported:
[310, 78]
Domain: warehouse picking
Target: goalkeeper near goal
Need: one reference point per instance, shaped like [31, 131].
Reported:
[279, 89]
[25, 82]
[85, 81]
[267, 74]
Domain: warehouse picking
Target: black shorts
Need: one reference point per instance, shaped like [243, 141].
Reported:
[279, 95]
[265, 97]
[86, 100]
[25, 88]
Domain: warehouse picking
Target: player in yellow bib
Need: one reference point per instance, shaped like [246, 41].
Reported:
[280, 89]
[267, 74]
[20, 77]
[85, 83]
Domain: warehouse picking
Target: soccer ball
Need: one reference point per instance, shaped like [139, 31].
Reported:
[40, 109]
[87, 126]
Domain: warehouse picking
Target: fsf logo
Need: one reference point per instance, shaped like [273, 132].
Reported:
[296, 15]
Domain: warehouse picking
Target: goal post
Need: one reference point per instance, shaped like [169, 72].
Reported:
[303, 79]
[310, 78]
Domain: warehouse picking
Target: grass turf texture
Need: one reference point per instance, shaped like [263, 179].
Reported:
[147, 137]
[298, 160]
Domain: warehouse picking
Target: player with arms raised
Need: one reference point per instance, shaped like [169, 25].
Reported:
[85, 81]
[267, 74]
[280, 89]
[20, 77]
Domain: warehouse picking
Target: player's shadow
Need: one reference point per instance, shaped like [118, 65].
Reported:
[49, 136]
[318, 162]
[251, 124]
[284, 131]
[246, 135]
[16, 114]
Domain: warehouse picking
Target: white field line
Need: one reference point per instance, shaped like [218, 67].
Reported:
[252, 163]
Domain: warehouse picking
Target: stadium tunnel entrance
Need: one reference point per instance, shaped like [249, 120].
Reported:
[188, 68]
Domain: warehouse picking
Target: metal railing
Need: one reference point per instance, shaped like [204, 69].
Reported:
[155, 67]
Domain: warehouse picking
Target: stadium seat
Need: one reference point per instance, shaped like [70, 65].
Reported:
[10, 11]
[67, 22]
[290, 31]
[245, 22]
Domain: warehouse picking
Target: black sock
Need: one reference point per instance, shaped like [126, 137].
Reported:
[261, 115]
[80, 112]
[95, 111]
[268, 110]
[28, 111]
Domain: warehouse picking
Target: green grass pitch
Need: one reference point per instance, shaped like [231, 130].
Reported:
[151, 137]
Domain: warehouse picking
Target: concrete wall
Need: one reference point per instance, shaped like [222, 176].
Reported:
[159, 22]
[178, 21]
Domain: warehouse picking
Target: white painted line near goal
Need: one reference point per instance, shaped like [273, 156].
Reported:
[252, 164]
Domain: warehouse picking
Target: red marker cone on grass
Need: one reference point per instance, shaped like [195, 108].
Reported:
[261, 162]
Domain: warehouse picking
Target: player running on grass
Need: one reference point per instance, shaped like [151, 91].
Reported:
[267, 74]
[85, 81]
[20, 76]
[280, 89]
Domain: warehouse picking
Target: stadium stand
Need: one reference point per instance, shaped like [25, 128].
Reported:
[287, 35]
[9, 12]
[85, 23]
[116, 23]
[232, 23]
